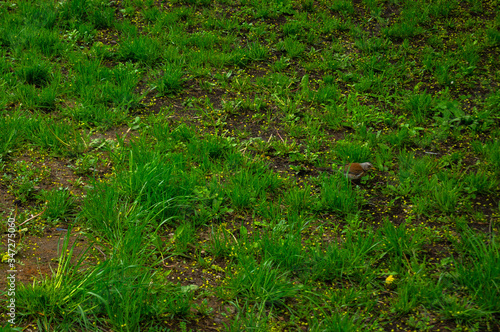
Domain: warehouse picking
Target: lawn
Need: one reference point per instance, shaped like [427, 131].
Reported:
[177, 165]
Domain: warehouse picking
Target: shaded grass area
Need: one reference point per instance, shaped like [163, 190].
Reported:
[197, 145]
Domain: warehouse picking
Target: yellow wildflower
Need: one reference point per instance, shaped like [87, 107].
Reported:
[5, 257]
[389, 279]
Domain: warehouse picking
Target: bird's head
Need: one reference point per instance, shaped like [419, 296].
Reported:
[367, 166]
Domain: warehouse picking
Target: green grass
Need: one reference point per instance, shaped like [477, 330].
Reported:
[198, 145]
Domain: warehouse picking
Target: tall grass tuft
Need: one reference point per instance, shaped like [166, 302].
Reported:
[259, 283]
[401, 244]
[170, 80]
[64, 293]
[338, 195]
[37, 73]
[144, 50]
[478, 269]
[348, 151]
[351, 259]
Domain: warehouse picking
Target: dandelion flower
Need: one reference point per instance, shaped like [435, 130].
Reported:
[389, 280]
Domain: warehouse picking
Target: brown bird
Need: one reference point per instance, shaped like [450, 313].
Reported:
[355, 171]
